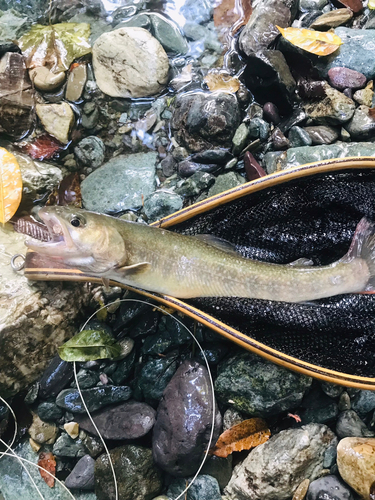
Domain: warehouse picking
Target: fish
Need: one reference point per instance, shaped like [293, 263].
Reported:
[183, 266]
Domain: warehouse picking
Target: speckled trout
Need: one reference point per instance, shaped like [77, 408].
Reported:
[183, 266]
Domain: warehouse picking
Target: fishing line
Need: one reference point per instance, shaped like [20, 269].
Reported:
[211, 382]
[13, 454]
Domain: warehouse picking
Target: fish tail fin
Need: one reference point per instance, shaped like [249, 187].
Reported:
[363, 247]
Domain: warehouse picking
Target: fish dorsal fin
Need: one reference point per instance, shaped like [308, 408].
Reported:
[217, 242]
[302, 262]
[134, 269]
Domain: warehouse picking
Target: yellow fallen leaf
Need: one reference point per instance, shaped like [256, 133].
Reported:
[371, 4]
[243, 436]
[221, 81]
[316, 42]
[10, 185]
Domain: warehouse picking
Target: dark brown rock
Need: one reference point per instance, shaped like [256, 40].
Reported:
[129, 420]
[16, 97]
[203, 119]
[261, 29]
[344, 78]
[279, 141]
[187, 168]
[184, 421]
[271, 113]
[252, 167]
[311, 89]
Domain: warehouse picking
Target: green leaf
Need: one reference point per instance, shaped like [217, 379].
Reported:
[89, 345]
[55, 46]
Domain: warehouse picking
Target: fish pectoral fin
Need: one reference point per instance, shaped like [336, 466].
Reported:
[302, 262]
[134, 269]
[217, 242]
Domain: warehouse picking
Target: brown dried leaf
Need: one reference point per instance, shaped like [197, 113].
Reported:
[48, 462]
[43, 147]
[221, 81]
[68, 192]
[10, 185]
[354, 5]
[316, 42]
[243, 436]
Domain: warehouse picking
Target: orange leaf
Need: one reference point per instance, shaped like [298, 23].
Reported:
[10, 185]
[221, 81]
[243, 436]
[48, 462]
[230, 15]
[316, 42]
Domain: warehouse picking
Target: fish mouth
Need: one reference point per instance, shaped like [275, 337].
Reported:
[59, 240]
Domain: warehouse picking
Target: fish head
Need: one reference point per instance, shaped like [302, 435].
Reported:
[82, 239]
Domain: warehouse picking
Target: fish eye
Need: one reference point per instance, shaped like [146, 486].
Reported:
[77, 221]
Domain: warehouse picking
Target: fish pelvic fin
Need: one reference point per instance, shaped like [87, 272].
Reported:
[134, 269]
[363, 247]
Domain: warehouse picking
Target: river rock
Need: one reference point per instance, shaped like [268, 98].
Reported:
[168, 34]
[35, 318]
[129, 420]
[90, 151]
[299, 137]
[55, 378]
[350, 425]
[204, 487]
[82, 475]
[328, 488]
[257, 387]
[263, 475]
[261, 30]
[202, 120]
[309, 154]
[334, 109]
[363, 402]
[16, 96]
[48, 410]
[65, 446]
[46, 80]
[362, 125]
[344, 78]
[312, 4]
[160, 204]
[365, 96]
[267, 74]
[76, 83]
[154, 378]
[354, 53]
[137, 476]
[322, 134]
[186, 168]
[356, 463]
[15, 483]
[119, 184]
[42, 432]
[57, 119]
[225, 182]
[13, 24]
[184, 421]
[120, 58]
[95, 398]
[331, 19]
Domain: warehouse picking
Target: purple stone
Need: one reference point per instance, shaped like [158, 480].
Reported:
[271, 113]
[252, 167]
[344, 78]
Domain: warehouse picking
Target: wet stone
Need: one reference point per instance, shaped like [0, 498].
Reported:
[219, 468]
[252, 167]
[137, 476]
[65, 446]
[219, 156]
[43, 432]
[123, 369]
[204, 488]
[90, 152]
[329, 488]
[130, 420]
[299, 137]
[76, 83]
[258, 129]
[195, 184]
[344, 401]
[168, 34]
[160, 204]
[322, 134]
[225, 182]
[268, 74]
[240, 138]
[95, 398]
[349, 424]
[334, 109]
[203, 120]
[187, 168]
[312, 4]
[183, 420]
[93, 445]
[332, 390]
[278, 139]
[82, 475]
[56, 377]
[259, 388]
[154, 378]
[168, 165]
[90, 116]
[48, 410]
[332, 19]
[362, 125]
[118, 185]
[86, 379]
[365, 96]
[363, 401]
[271, 113]
[57, 119]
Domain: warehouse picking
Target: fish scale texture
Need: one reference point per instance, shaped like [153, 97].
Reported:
[314, 218]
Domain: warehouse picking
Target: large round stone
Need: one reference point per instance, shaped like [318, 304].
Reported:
[129, 62]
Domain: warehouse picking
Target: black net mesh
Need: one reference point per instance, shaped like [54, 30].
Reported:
[315, 218]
